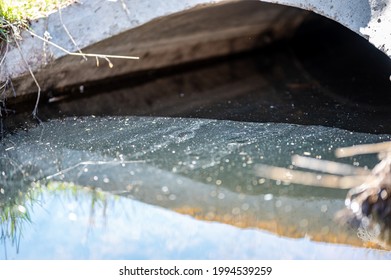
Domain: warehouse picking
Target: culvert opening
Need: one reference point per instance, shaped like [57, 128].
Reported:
[320, 73]
[199, 167]
[343, 63]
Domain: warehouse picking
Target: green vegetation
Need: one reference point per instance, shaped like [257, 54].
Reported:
[15, 14]
[15, 208]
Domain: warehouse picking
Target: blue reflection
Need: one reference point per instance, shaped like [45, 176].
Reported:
[162, 167]
[67, 227]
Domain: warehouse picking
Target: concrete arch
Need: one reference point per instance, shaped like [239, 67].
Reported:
[168, 33]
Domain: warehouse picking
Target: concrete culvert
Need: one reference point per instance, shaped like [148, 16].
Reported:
[171, 34]
[184, 137]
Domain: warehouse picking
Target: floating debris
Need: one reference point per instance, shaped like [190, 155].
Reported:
[368, 201]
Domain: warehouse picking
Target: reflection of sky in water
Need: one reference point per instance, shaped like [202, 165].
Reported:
[191, 166]
[64, 228]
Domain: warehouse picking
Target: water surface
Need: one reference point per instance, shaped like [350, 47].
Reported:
[165, 173]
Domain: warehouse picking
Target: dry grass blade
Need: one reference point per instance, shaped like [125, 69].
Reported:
[35, 111]
[363, 149]
[308, 178]
[68, 33]
[104, 56]
[327, 166]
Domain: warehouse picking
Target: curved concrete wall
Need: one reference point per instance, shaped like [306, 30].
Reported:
[161, 33]
[94, 25]
[369, 18]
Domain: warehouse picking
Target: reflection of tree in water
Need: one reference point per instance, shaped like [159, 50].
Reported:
[15, 211]
[17, 204]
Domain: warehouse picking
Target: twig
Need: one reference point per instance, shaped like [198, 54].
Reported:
[5, 53]
[125, 9]
[35, 111]
[3, 86]
[328, 166]
[363, 149]
[308, 178]
[105, 56]
[68, 33]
